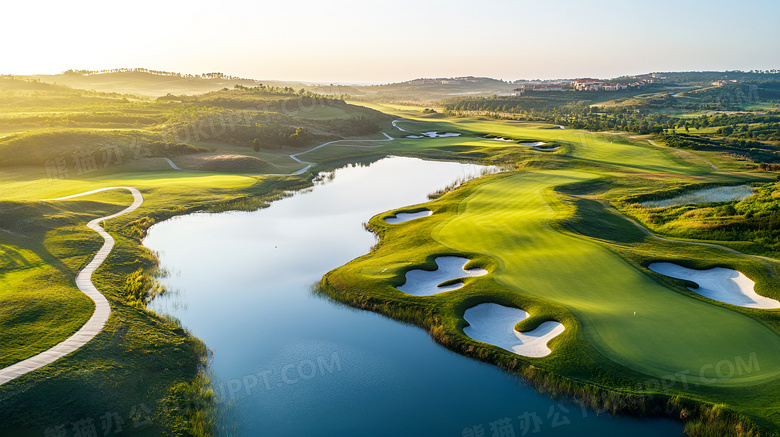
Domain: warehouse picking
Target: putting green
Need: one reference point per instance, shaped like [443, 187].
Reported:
[670, 333]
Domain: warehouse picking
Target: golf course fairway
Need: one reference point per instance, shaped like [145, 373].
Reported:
[626, 315]
[634, 341]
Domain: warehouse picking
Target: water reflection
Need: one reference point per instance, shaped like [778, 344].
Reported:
[295, 365]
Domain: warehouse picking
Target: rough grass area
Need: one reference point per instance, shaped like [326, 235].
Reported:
[226, 164]
[707, 195]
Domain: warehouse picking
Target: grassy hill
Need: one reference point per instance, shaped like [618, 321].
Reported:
[47, 127]
[142, 83]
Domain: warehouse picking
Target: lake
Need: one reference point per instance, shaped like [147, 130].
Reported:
[289, 363]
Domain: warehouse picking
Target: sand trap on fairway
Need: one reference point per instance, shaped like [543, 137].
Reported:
[425, 283]
[541, 146]
[497, 139]
[406, 216]
[434, 134]
[495, 324]
[724, 285]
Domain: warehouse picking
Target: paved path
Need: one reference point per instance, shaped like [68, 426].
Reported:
[98, 320]
[398, 127]
[173, 166]
[311, 164]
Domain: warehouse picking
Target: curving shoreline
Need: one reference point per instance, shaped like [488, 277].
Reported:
[102, 311]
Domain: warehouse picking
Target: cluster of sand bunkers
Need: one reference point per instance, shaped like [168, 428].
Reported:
[488, 322]
[495, 324]
[434, 134]
[537, 145]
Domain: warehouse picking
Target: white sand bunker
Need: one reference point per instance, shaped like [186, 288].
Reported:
[425, 283]
[509, 140]
[495, 324]
[434, 134]
[406, 216]
[541, 145]
[724, 285]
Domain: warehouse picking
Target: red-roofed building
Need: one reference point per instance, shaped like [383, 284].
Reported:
[587, 84]
[545, 88]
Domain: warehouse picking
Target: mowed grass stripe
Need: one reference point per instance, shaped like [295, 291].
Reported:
[670, 333]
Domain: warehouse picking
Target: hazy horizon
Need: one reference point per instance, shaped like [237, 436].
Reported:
[347, 41]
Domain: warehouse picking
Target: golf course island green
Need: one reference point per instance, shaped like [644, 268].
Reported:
[634, 341]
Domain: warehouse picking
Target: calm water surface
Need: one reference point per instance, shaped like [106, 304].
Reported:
[292, 364]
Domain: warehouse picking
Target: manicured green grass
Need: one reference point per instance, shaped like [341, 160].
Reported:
[41, 307]
[554, 251]
[669, 333]
[169, 182]
[41, 304]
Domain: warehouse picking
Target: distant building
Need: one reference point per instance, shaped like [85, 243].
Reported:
[545, 88]
[614, 86]
[587, 84]
[449, 82]
[724, 82]
[519, 91]
[600, 85]
[424, 82]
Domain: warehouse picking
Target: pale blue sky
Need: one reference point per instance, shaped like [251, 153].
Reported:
[362, 41]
